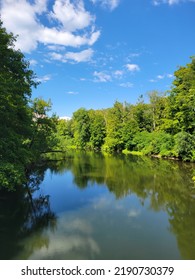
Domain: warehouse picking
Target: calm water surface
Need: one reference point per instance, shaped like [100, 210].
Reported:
[91, 206]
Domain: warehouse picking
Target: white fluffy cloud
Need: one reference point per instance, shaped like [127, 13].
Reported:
[85, 55]
[44, 79]
[82, 56]
[70, 24]
[132, 67]
[102, 77]
[118, 74]
[72, 16]
[72, 92]
[110, 4]
[33, 62]
[161, 77]
[126, 85]
[108, 75]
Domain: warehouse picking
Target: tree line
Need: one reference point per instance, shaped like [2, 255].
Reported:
[164, 126]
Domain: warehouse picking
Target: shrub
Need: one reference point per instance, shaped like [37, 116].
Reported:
[185, 146]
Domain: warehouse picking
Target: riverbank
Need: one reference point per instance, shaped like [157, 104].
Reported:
[138, 153]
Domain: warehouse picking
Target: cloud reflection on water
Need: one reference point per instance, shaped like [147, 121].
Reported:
[72, 240]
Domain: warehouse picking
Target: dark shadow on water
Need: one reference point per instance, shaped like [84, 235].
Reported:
[22, 213]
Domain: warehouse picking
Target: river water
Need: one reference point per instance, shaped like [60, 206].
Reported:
[94, 206]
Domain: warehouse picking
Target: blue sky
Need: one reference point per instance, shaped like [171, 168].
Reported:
[90, 53]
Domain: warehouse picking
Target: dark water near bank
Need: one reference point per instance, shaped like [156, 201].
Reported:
[91, 206]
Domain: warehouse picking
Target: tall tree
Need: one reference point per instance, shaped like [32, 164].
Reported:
[97, 129]
[114, 125]
[81, 127]
[180, 109]
[16, 80]
[142, 115]
[25, 129]
[43, 128]
[157, 105]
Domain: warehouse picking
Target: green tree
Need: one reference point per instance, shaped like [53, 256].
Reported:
[142, 115]
[43, 128]
[130, 126]
[180, 109]
[26, 130]
[81, 128]
[185, 146]
[114, 125]
[157, 106]
[64, 134]
[97, 129]
[16, 80]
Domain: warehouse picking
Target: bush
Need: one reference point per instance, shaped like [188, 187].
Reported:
[141, 140]
[112, 145]
[154, 143]
[163, 143]
[11, 175]
[185, 146]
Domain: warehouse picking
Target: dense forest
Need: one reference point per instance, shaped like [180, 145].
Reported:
[164, 126]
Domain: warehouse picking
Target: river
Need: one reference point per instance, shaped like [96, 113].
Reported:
[94, 206]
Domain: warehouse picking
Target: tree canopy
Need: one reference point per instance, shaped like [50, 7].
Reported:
[21, 118]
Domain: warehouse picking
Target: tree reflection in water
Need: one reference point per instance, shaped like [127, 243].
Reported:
[163, 185]
[167, 184]
[23, 213]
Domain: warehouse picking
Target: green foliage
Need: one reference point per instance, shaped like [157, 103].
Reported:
[185, 146]
[129, 130]
[180, 110]
[25, 129]
[11, 175]
[81, 128]
[16, 80]
[43, 128]
[64, 134]
[157, 106]
[162, 143]
[97, 129]
[112, 145]
[115, 119]
[141, 140]
[155, 143]
[142, 115]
